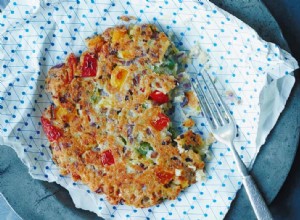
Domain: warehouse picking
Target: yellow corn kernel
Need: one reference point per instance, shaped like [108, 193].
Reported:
[118, 34]
[184, 184]
[126, 54]
[105, 103]
[95, 43]
[118, 77]
[60, 112]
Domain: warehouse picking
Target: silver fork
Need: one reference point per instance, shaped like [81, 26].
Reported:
[223, 127]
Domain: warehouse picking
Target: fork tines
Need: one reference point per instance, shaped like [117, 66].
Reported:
[212, 105]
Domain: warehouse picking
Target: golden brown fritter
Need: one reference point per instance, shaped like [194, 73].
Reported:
[108, 127]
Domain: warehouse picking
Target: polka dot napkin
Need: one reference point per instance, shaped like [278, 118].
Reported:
[252, 75]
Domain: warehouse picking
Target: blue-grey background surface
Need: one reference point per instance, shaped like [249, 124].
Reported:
[287, 13]
[286, 205]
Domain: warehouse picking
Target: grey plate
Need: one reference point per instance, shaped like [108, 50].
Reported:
[33, 199]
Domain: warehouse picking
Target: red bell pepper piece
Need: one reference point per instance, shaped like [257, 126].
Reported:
[164, 177]
[161, 122]
[53, 133]
[76, 176]
[159, 97]
[89, 66]
[107, 158]
[72, 63]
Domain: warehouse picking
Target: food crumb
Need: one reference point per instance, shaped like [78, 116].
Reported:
[192, 99]
[198, 53]
[127, 18]
[210, 139]
[189, 123]
[231, 96]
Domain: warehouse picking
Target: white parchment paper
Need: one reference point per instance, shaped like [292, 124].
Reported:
[252, 75]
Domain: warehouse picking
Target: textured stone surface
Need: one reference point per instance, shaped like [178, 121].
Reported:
[34, 199]
[50, 201]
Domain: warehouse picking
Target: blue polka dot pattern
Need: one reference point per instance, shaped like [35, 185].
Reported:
[33, 39]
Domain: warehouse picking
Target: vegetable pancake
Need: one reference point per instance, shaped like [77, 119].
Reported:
[108, 126]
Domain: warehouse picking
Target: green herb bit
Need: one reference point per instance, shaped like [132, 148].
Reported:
[144, 148]
[170, 64]
[173, 132]
[123, 139]
[95, 98]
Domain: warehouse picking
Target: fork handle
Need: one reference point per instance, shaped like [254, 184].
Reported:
[257, 202]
